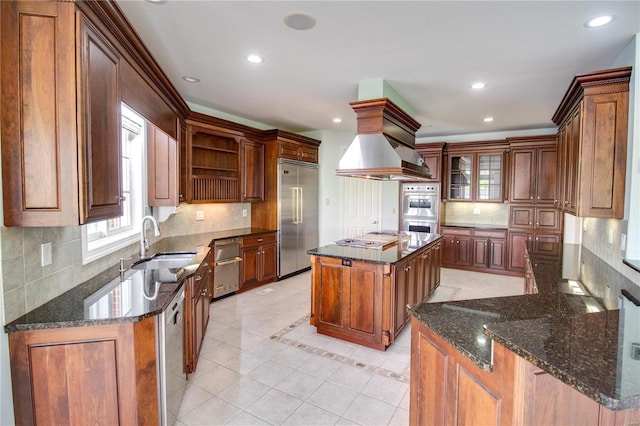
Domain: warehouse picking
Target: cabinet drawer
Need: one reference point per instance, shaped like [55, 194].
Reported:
[256, 240]
[308, 154]
[455, 231]
[490, 234]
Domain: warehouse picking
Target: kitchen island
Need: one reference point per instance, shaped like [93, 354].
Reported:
[563, 354]
[360, 294]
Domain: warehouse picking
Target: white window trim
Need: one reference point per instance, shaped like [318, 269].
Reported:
[108, 244]
[119, 240]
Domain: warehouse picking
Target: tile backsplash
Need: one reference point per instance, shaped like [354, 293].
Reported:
[486, 213]
[27, 285]
[595, 237]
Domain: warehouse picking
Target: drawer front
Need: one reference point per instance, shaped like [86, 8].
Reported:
[256, 240]
[490, 234]
[308, 154]
[455, 231]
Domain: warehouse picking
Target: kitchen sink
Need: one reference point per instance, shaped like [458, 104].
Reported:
[166, 260]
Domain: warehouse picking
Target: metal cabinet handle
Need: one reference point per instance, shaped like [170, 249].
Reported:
[198, 278]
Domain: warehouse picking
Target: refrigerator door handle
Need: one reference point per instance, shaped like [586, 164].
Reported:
[301, 205]
[295, 214]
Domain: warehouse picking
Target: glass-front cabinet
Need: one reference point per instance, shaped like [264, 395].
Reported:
[489, 186]
[460, 177]
[475, 173]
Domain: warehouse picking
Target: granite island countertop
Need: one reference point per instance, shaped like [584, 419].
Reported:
[85, 304]
[388, 256]
[564, 329]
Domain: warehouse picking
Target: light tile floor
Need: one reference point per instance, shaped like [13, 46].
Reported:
[262, 363]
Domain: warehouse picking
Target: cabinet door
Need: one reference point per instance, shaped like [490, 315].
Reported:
[480, 252]
[162, 168]
[448, 250]
[100, 145]
[249, 266]
[523, 175]
[518, 250]
[546, 175]
[561, 167]
[38, 121]
[603, 156]
[463, 251]
[268, 263]
[401, 294]
[573, 152]
[308, 154]
[252, 171]
[460, 177]
[521, 217]
[489, 178]
[433, 161]
[436, 261]
[547, 243]
[547, 219]
[497, 254]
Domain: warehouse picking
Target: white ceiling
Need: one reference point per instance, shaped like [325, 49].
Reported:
[429, 51]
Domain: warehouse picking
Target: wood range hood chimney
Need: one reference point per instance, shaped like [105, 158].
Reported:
[384, 146]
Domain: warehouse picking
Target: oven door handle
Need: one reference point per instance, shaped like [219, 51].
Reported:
[227, 261]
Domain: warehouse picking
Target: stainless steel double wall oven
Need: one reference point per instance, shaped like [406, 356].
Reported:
[420, 207]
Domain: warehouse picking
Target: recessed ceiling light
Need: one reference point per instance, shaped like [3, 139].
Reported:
[600, 21]
[157, 1]
[337, 120]
[254, 59]
[488, 119]
[299, 20]
[190, 79]
[478, 85]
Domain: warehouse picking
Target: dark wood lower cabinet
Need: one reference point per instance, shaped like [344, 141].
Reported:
[104, 374]
[446, 387]
[475, 249]
[543, 243]
[259, 260]
[197, 300]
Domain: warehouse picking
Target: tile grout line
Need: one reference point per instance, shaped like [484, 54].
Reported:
[279, 336]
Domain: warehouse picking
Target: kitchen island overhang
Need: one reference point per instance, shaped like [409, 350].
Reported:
[361, 295]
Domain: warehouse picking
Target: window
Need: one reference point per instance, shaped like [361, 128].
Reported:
[102, 238]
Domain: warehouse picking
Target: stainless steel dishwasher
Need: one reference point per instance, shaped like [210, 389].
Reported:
[226, 266]
[172, 377]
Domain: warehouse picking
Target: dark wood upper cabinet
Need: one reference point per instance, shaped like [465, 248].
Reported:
[593, 122]
[39, 146]
[162, 168]
[100, 146]
[252, 171]
[475, 171]
[533, 170]
[431, 153]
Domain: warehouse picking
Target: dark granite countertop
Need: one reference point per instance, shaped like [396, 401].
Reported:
[391, 255]
[91, 302]
[474, 225]
[564, 329]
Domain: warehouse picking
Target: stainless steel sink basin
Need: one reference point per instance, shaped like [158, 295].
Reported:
[169, 260]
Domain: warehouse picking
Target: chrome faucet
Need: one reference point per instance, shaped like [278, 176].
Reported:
[144, 244]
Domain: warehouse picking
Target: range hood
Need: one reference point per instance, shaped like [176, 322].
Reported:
[384, 146]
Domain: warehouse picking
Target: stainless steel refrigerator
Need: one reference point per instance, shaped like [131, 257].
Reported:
[297, 215]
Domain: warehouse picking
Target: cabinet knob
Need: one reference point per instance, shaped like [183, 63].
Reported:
[260, 240]
[198, 278]
[537, 223]
[458, 242]
[531, 198]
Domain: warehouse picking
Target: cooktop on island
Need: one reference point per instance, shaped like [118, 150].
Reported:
[379, 240]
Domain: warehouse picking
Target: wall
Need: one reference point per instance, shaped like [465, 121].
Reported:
[596, 232]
